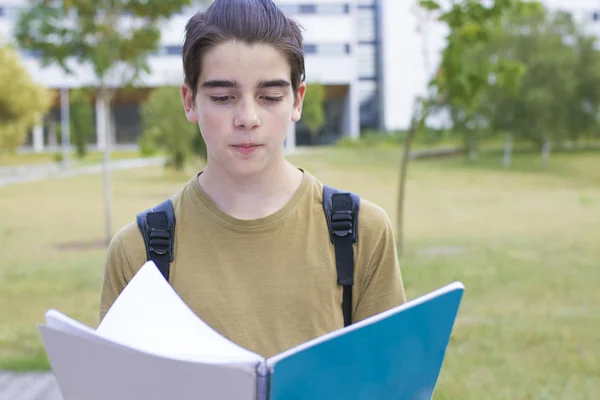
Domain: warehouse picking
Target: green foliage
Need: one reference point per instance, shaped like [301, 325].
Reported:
[81, 120]
[105, 34]
[313, 111]
[58, 157]
[22, 101]
[548, 91]
[520, 70]
[463, 78]
[114, 37]
[165, 127]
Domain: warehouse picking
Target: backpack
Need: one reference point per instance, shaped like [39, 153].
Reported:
[157, 226]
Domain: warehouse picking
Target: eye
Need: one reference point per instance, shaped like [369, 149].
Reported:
[220, 99]
[273, 99]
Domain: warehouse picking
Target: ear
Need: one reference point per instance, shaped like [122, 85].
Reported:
[297, 113]
[189, 103]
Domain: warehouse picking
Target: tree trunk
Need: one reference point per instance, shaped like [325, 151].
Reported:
[408, 141]
[472, 143]
[179, 161]
[65, 124]
[104, 122]
[546, 147]
[507, 151]
[52, 133]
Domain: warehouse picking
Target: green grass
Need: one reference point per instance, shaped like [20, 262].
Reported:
[525, 240]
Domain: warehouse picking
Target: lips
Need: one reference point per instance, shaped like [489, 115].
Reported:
[246, 148]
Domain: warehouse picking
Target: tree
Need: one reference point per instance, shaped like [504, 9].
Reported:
[497, 103]
[81, 120]
[22, 101]
[557, 98]
[313, 111]
[460, 80]
[165, 127]
[463, 78]
[114, 38]
[584, 115]
[550, 83]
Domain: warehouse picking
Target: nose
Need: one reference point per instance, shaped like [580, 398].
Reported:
[246, 116]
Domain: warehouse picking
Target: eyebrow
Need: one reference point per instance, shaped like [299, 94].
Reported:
[219, 84]
[234, 84]
[274, 83]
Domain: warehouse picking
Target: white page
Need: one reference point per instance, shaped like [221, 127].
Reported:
[93, 369]
[57, 320]
[150, 316]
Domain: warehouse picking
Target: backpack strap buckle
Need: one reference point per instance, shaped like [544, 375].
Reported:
[157, 226]
[341, 222]
[159, 240]
[341, 212]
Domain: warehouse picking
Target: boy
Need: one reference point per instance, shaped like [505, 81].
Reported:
[253, 256]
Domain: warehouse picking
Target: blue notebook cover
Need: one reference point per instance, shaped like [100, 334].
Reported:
[396, 355]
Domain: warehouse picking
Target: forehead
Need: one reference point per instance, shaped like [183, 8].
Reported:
[243, 63]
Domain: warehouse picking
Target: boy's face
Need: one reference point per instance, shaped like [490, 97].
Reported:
[243, 106]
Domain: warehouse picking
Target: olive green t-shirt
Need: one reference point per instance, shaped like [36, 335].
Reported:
[267, 284]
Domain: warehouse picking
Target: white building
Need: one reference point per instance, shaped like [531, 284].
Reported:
[368, 53]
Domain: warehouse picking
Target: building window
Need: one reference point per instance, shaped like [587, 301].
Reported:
[310, 48]
[1, 12]
[364, 4]
[26, 53]
[332, 49]
[173, 50]
[366, 58]
[327, 49]
[595, 16]
[369, 111]
[289, 8]
[366, 20]
[307, 9]
[333, 8]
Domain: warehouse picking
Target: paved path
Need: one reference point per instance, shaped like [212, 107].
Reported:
[38, 172]
[28, 386]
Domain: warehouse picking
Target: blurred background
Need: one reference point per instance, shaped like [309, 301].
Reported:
[474, 124]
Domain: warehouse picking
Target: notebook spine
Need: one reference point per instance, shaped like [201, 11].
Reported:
[262, 384]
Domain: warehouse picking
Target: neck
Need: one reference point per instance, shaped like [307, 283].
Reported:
[251, 197]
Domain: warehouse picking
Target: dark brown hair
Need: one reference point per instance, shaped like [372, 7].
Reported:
[246, 21]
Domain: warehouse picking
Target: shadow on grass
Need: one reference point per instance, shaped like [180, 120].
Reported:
[579, 164]
[32, 362]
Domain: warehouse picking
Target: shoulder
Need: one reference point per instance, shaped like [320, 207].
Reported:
[372, 218]
[127, 251]
[373, 222]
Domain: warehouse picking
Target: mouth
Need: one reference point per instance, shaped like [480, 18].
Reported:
[246, 148]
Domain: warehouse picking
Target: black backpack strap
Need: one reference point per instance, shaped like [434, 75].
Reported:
[341, 212]
[158, 229]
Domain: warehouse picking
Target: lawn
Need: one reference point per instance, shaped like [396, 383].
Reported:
[525, 242]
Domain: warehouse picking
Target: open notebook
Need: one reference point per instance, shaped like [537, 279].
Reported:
[150, 345]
